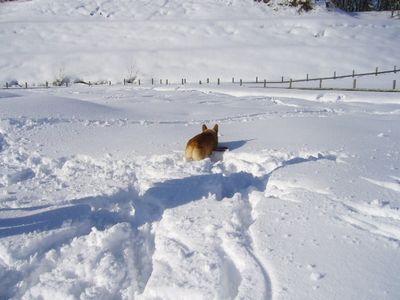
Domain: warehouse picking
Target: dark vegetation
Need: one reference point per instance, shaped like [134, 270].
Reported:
[367, 5]
[302, 5]
[346, 5]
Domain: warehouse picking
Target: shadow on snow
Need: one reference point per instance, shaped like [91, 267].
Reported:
[128, 206]
[232, 145]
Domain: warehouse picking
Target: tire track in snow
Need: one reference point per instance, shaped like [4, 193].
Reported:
[243, 248]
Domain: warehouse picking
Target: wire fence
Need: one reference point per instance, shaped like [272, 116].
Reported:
[288, 83]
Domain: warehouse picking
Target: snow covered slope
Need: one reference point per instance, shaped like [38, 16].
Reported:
[45, 40]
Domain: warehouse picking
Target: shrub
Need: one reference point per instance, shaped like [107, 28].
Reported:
[303, 5]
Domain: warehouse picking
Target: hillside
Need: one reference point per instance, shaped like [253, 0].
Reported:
[174, 39]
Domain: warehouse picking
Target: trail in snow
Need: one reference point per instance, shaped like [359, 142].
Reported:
[64, 229]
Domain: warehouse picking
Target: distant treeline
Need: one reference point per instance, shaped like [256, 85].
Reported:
[366, 5]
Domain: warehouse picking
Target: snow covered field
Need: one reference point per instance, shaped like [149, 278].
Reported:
[97, 202]
[45, 40]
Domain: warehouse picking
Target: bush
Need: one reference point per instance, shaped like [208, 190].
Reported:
[303, 5]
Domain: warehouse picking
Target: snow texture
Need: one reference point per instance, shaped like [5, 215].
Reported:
[97, 201]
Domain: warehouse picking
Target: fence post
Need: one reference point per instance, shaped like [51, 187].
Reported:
[307, 77]
[241, 82]
[139, 81]
[66, 84]
[282, 78]
[265, 82]
[395, 70]
[233, 79]
[290, 83]
[394, 84]
[124, 81]
[320, 83]
[354, 73]
[90, 84]
[354, 83]
[109, 83]
[152, 81]
[166, 81]
[256, 79]
[47, 84]
[199, 81]
[160, 81]
[376, 71]
[208, 80]
[218, 81]
[6, 85]
[26, 85]
[334, 75]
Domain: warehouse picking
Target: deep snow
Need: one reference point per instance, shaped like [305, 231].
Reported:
[97, 202]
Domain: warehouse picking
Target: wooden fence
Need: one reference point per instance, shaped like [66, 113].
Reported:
[290, 82]
[283, 83]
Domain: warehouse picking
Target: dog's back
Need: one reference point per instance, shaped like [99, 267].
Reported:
[203, 144]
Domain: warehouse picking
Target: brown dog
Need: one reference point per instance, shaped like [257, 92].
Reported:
[203, 144]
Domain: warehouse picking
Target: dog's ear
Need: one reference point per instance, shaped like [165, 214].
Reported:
[216, 128]
[204, 127]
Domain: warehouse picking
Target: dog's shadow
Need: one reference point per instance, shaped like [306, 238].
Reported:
[233, 145]
[227, 146]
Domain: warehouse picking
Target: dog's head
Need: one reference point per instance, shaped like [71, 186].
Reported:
[215, 128]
